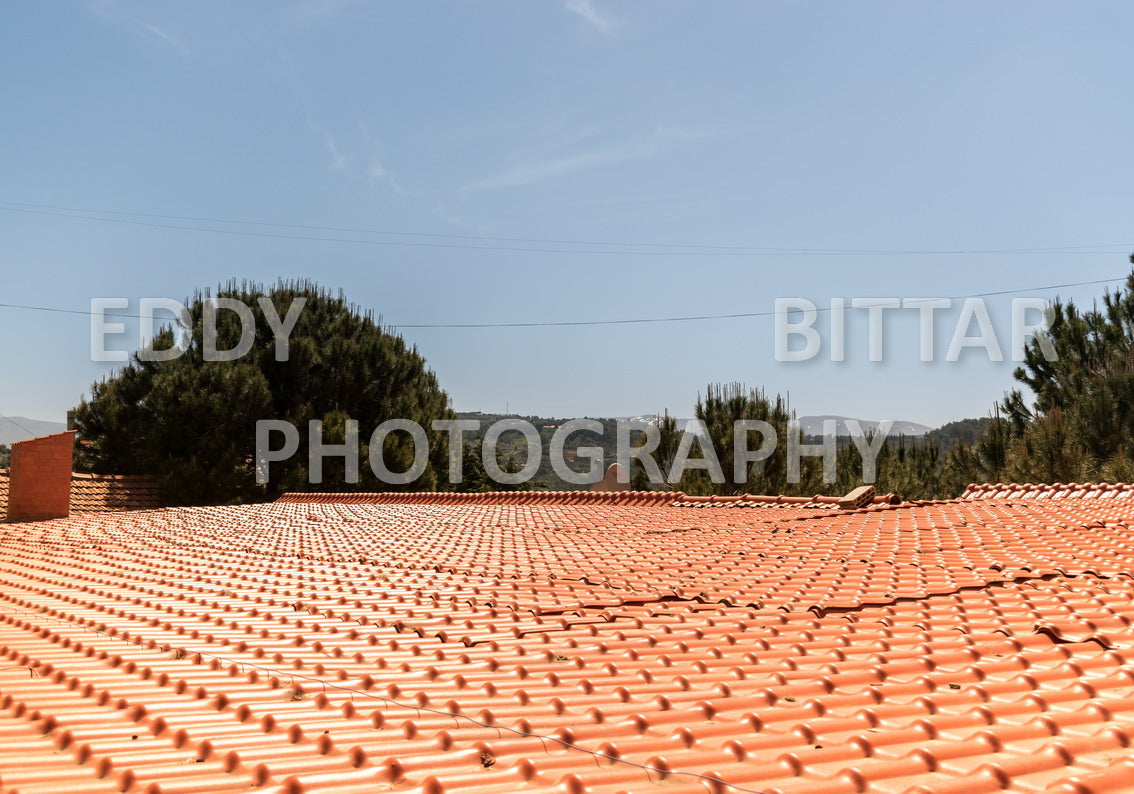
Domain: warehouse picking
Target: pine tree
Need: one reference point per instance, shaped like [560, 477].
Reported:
[1081, 423]
[191, 422]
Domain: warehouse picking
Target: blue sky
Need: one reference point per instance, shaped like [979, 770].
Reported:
[866, 126]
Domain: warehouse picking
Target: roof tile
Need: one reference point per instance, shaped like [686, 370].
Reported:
[479, 643]
[1049, 491]
[100, 493]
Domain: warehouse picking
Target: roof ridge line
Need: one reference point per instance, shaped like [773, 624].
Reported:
[622, 498]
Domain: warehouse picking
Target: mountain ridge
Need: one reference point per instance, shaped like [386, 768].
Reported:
[16, 428]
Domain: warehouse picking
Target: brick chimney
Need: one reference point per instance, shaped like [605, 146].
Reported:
[39, 484]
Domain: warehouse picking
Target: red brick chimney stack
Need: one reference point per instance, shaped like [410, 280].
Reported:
[40, 478]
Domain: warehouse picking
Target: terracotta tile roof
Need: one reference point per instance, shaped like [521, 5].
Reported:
[675, 498]
[545, 646]
[1075, 490]
[485, 498]
[101, 493]
[819, 501]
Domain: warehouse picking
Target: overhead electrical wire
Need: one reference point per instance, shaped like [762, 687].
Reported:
[627, 321]
[619, 248]
[612, 248]
[691, 318]
[17, 424]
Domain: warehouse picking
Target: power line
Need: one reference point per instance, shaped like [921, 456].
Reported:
[740, 315]
[613, 248]
[387, 231]
[627, 321]
[69, 311]
[17, 424]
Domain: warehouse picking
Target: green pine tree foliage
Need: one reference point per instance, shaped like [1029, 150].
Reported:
[474, 478]
[191, 423]
[668, 440]
[915, 468]
[1080, 426]
[719, 408]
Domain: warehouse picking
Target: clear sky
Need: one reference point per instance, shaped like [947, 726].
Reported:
[604, 135]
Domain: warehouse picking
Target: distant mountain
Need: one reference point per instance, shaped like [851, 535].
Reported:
[652, 419]
[16, 428]
[512, 445]
[813, 426]
[962, 431]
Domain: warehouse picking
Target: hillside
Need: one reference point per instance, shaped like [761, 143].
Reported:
[512, 444]
[15, 428]
[967, 431]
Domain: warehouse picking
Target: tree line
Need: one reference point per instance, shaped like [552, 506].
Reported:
[190, 422]
[1072, 422]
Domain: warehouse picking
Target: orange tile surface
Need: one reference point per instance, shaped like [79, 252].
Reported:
[1059, 490]
[101, 493]
[548, 644]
